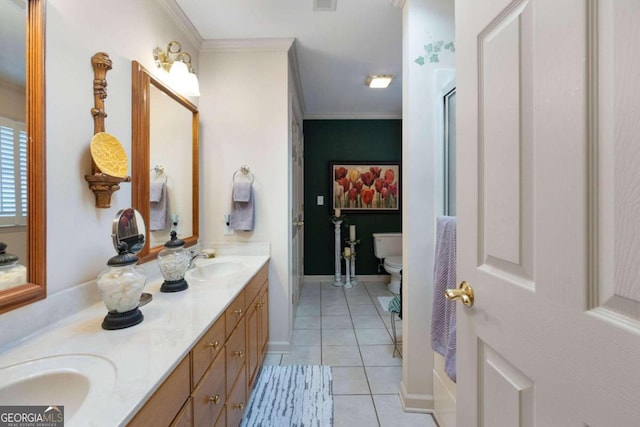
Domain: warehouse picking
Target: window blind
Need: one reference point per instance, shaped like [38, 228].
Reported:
[13, 173]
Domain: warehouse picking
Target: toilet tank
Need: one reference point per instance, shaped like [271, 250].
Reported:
[387, 244]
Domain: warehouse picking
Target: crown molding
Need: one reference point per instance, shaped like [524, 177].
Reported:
[180, 18]
[280, 44]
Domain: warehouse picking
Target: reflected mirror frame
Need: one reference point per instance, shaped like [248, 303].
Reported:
[35, 289]
[141, 81]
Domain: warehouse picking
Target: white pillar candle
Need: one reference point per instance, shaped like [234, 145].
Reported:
[352, 232]
[338, 213]
[347, 252]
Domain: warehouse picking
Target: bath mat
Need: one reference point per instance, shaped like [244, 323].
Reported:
[292, 395]
[384, 302]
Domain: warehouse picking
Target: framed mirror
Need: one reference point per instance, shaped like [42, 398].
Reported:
[33, 198]
[164, 161]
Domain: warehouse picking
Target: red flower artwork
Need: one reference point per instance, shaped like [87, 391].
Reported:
[341, 172]
[367, 196]
[363, 187]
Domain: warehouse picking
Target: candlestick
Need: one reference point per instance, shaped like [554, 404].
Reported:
[347, 252]
[337, 212]
[352, 232]
[338, 262]
[347, 281]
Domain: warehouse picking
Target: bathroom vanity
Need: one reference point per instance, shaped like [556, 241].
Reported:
[192, 361]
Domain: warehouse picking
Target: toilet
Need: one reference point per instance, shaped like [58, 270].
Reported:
[388, 247]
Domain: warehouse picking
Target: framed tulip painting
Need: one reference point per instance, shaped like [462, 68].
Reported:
[365, 186]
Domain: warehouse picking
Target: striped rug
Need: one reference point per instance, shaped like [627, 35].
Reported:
[292, 395]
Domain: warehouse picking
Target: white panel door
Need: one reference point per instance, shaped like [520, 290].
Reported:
[548, 196]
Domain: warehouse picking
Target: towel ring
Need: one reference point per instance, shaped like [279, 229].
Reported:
[245, 171]
[159, 171]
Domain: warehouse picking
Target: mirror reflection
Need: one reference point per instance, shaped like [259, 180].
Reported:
[128, 227]
[164, 161]
[13, 135]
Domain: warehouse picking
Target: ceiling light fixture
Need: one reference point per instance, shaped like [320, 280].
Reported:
[178, 64]
[379, 81]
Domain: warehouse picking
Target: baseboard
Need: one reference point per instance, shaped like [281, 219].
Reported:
[283, 347]
[360, 278]
[411, 402]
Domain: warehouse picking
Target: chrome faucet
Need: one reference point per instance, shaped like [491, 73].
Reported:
[205, 255]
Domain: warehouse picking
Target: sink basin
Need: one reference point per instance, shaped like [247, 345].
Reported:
[214, 268]
[74, 381]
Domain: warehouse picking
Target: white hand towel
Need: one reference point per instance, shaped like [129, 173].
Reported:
[243, 213]
[158, 206]
[443, 320]
[242, 191]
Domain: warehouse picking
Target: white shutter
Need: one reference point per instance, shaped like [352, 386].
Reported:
[13, 173]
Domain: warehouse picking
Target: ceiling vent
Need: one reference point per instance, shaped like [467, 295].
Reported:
[324, 5]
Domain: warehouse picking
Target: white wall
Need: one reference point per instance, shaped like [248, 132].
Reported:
[424, 22]
[78, 233]
[244, 119]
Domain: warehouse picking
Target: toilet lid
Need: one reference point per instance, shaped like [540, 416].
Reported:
[394, 261]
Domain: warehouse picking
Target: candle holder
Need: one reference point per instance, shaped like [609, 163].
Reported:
[347, 261]
[352, 260]
[337, 222]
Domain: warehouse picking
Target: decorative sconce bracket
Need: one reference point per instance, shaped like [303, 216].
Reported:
[101, 184]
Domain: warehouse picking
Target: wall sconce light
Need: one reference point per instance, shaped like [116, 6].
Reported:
[380, 81]
[178, 64]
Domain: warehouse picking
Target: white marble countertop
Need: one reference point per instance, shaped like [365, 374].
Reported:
[141, 356]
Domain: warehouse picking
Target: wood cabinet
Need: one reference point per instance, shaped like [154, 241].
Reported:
[212, 384]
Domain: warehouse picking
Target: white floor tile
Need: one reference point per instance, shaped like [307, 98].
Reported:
[307, 322]
[303, 355]
[272, 359]
[359, 299]
[306, 337]
[336, 322]
[367, 322]
[308, 309]
[341, 355]
[379, 355]
[364, 310]
[384, 379]
[390, 413]
[349, 380]
[335, 310]
[338, 337]
[354, 411]
[373, 336]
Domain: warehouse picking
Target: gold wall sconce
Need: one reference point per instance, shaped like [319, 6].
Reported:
[177, 64]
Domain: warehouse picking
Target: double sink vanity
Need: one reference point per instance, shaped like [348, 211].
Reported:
[192, 361]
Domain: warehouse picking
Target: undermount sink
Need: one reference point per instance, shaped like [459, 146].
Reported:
[210, 269]
[74, 381]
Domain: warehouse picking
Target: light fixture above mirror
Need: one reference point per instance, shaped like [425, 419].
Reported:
[177, 64]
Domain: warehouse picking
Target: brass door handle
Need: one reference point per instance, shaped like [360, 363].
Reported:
[464, 293]
[215, 399]
[299, 224]
[239, 405]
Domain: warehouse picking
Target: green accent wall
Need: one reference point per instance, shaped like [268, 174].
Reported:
[344, 140]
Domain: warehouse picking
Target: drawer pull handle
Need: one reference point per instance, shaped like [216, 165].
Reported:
[260, 304]
[239, 405]
[239, 353]
[215, 399]
[238, 312]
[214, 345]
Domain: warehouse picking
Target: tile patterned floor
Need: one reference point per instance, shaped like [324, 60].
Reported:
[349, 330]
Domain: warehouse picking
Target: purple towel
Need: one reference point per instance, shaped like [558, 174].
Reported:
[443, 321]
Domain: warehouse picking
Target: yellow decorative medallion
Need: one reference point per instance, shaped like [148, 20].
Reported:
[109, 155]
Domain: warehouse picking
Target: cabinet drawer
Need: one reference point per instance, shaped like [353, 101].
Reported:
[236, 354]
[234, 313]
[211, 394]
[253, 288]
[185, 416]
[167, 401]
[237, 401]
[207, 349]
